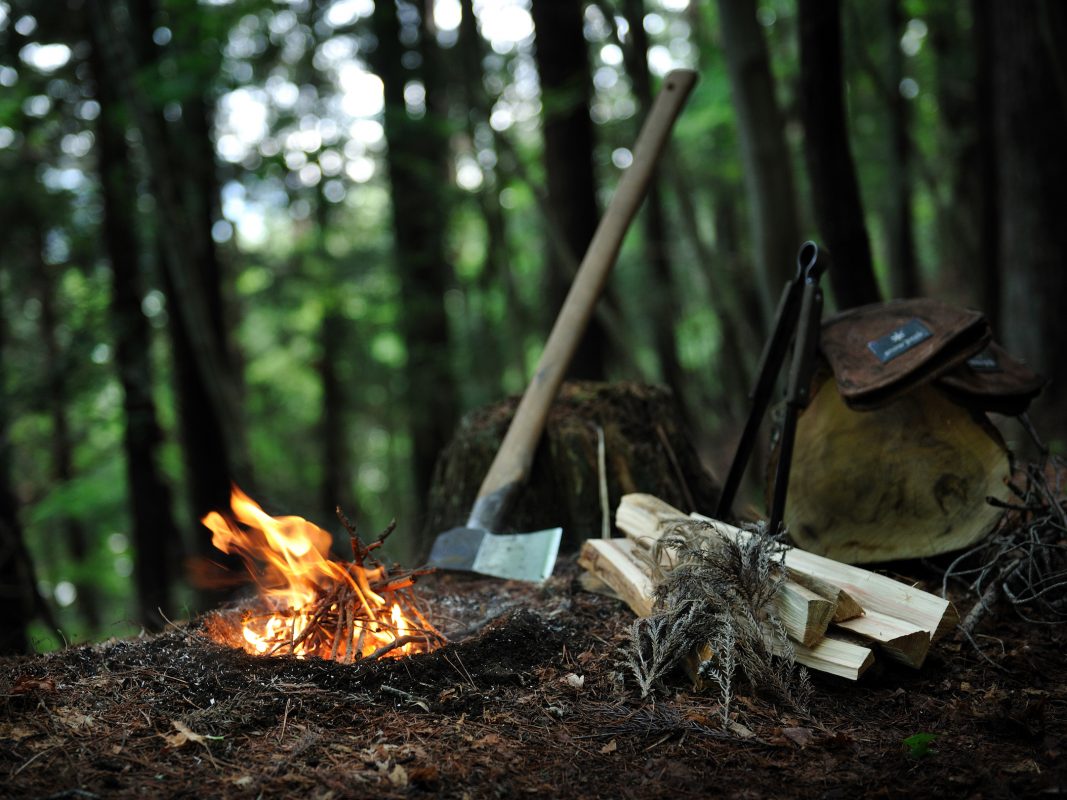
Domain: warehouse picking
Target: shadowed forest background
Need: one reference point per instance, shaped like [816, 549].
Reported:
[289, 244]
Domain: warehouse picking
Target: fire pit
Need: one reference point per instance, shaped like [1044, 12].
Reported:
[310, 604]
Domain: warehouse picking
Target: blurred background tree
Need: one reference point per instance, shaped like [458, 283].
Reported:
[288, 245]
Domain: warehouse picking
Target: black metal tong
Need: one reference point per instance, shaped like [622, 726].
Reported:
[798, 318]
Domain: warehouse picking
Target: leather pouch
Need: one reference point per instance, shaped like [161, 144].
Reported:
[880, 351]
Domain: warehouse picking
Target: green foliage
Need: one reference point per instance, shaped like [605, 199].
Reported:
[918, 745]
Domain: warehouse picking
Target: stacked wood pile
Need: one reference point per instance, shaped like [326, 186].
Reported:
[837, 616]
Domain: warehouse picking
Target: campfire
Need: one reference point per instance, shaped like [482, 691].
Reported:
[310, 604]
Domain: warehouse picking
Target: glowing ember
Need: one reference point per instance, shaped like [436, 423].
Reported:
[316, 606]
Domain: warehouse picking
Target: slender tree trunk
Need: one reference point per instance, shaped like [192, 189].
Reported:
[62, 443]
[417, 170]
[1030, 112]
[987, 197]
[334, 429]
[960, 208]
[768, 169]
[472, 51]
[18, 584]
[562, 58]
[155, 535]
[835, 189]
[334, 490]
[662, 304]
[903, 270]
[181, 164]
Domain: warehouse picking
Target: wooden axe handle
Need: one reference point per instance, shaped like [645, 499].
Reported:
[512, 463]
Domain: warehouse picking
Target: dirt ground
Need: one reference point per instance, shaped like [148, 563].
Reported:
[528, 699]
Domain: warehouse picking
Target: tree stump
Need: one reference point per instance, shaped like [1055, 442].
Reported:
[646, 449]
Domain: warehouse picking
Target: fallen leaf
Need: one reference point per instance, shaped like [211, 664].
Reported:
[398, 776]
[610, 747]
[574, 681]
[801, 737]
[186, 734]
[73, 718]
[26, 684]
[741, 731]
[15, 733]
[489, 740]
[427, 776]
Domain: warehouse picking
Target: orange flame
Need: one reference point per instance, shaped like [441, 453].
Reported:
[316, 606]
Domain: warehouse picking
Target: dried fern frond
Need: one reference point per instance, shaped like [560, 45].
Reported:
[659, 642]
[712, 589]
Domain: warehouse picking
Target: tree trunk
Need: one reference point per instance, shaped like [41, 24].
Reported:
[562, 58]
[661, 306]
[182, 175]
[334, 427]
[155, 535]
[903, 271]
[987, 196]
[417, 170]
[1030, 112]
[497, 268]
[966, 259]
[768, 170]
[55, 367]
[18, 585]
[835, 189]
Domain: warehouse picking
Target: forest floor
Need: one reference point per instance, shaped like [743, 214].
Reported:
[500, 713]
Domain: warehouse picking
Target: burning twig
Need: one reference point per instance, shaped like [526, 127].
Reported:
[318, 606]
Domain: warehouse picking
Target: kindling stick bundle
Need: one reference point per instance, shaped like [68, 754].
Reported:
[836, 615]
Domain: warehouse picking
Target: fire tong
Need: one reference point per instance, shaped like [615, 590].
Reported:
[797, 320]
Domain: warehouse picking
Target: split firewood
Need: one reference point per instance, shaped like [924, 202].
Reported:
[611, 561]
[900, 640]
[645, 518]
[592, 584]
[803, 611]
[836, 657]
[934, 615]
[902, 620]
[845, 605]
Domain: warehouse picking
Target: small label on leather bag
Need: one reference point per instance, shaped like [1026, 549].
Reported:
[898, 342]
[986, 361]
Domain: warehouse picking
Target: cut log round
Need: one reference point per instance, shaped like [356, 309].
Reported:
[907, 480]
